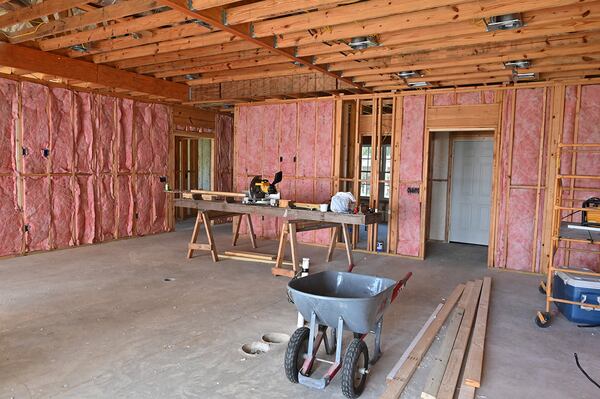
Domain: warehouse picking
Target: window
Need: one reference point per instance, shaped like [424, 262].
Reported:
[365, 170]
[386, 161]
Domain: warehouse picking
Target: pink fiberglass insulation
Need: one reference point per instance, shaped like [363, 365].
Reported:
[287, 137]
[9, 114]
[409, 222]
[254, 140]
[159, 205]
[239, 137]
[584, 258]
[322, 196]
[444, 99]
[12, 230]
[61, 130]
[160, 138]
[105, 132]
[142, 126]
[125, 206]
[223, 152]
[63, 213]
[324, 150]
[305, 166]
[469, 98]
[588, 164]
[489, 97]
[521, 212]
[413, 125]
[36, 137]
[37, 211]
[83, 132]
[107, 207]
[526, 139]
[143, 204]
[125, 134]
[270, 227]
[499, 259]
[85, 211]
[305, 193]
[270, 132]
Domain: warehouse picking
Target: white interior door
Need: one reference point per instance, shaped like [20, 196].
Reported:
[471, 189]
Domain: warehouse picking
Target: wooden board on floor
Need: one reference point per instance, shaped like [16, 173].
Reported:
[451, 375]
[474, 364]
[401, 379]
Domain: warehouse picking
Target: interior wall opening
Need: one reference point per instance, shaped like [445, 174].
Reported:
[461, 170]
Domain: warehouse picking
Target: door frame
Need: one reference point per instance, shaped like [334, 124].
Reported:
[461, 136]
[459, 133]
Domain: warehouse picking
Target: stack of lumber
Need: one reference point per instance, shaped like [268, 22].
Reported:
[457, 364]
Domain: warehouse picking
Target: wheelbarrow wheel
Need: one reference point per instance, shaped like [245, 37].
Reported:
[355, 371]
[294, 354]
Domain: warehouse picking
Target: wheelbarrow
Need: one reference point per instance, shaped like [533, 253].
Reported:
[334, 302]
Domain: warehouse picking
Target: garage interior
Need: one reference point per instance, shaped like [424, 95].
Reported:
[440, 165]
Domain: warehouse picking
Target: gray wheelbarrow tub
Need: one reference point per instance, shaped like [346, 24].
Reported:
[359, 299]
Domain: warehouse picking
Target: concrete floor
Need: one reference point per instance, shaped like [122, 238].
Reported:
[101, 322]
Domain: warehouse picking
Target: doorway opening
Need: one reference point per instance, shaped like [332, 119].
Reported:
[193, 168]
[459, 201]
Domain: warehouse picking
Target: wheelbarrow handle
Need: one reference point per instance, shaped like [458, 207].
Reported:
[399, 285]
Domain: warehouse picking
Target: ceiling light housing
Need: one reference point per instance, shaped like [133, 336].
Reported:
[363, 42]
[192, 76]
[409, 74]
[521, 64]
[504, 22]
[82, 48]
[419, 84]
[526, 76]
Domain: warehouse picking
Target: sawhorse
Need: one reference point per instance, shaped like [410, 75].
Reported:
[205, 217]
[289, 230]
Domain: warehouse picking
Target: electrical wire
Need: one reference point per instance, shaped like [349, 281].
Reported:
[584, 372]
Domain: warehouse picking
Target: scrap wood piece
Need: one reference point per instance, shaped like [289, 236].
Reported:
[466, 392]
[472, 374]
[401, 379]
[272, 262]
[452, 373]
[441, 360]
[400, 362]
[252, 255]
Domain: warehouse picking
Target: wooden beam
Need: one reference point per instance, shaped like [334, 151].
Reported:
[15, 56]
[474, 364]
[37, 10]
[213, 17]
[95, 16]
[401, 379]
[249, 73]
[436, 17]
[247, 63]
[270, 8]
[131, 26]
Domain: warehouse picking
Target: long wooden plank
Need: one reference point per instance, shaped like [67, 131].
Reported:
[66, 24]
[286, 213]
[413, 343]
[244, 31]
[401, 379]
[472, 374]
[441, 360]
[448, 386]
[15, 56]
[37, 10]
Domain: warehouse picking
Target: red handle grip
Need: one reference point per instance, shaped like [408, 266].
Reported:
[399, 285]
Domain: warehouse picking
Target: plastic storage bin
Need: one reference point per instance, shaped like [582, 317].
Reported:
[578, 288]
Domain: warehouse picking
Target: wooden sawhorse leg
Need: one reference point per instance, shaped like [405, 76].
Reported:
[237, 221]
[332, 244]
[288, 229]
[202, 218]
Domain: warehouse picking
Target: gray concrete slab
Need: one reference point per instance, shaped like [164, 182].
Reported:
[101, 322]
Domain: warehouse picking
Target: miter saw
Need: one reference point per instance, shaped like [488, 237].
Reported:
[261, 192]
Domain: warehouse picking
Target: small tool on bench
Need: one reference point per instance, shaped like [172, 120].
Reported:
[261, 192]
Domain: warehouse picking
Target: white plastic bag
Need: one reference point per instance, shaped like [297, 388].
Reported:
[342, 202]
